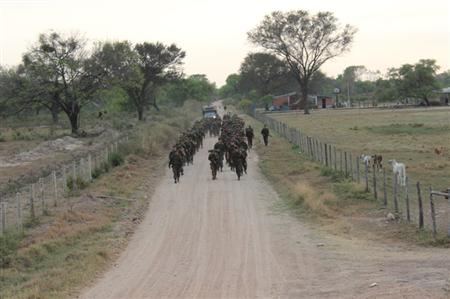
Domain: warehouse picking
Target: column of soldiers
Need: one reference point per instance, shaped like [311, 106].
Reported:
[188, 143]
[231, 146]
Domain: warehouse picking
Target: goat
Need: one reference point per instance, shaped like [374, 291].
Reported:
[366, 159]
[399, 170]
[377, 161]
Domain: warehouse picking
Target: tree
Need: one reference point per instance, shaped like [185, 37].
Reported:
[350, 76]
[195, 87]
[141, 70]
[60, 74]
[321, 84]
[385, 90]
[264, 73]
[304, 42]
[416, 80]
[444, 79]
[231, 88]
[11, 91]
[158, 64]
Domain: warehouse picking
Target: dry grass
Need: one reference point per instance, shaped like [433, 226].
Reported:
[407, 135]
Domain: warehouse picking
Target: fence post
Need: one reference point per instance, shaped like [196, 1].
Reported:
[41, 191]
[375, 192]
[326, 155]
[366, 172]
[32, 212]
[90, 165]
[433, 214]
[395, 194]
[55, 186]
[346, 166]
[19, 211]
[419, 198]
[331, 156]
[384, 188]
[74, 169]
[341, 161]
[351, 165]
[358, 174]
[335, 159]
[64, 180]
[408, 213]
[3, 216]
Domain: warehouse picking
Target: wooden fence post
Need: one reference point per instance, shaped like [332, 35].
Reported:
[395, 194]
[346, 166]
[408, 213]
[350, 158]
[366, 172]
[341, 161]
[331, 157]
[375, 191]
[433, 214]
[384, 188]
[74, 174]
[419, 198]
[32, 212]
[42, 194]
[358, 174]
[326, 155]
[90, 165]
[55, 189]
[19, 212]
[335, 159]
[64, 180]
[3, 217]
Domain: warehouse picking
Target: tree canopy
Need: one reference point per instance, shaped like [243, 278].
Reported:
[303, 41]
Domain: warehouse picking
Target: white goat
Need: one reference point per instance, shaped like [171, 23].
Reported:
[399, 170]
[366, 159]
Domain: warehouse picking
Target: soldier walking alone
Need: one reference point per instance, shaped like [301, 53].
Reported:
[265, 134]
[249, 134]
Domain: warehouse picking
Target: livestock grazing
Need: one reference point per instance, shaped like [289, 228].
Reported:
[377, 161]
[399, 170]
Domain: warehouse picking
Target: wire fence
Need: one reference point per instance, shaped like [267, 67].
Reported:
[47, 193]
[411, 201]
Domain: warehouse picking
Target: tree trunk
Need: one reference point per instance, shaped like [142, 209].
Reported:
[425, 98]
[55, 113]
[74, 123]
[304, 99]
[140, 110]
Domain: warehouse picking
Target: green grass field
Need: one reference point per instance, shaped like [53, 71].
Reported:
[411, 136]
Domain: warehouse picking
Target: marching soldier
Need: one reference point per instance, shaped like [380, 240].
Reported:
[213, 158]
[249, 134]
[265, 134]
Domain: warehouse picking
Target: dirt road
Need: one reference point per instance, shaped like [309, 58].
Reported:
[227, 239]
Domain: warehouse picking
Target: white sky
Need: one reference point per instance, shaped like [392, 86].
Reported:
[214, 33]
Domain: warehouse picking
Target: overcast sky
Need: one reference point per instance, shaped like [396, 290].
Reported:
[214, 33]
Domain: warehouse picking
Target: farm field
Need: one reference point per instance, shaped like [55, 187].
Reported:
[420, 138]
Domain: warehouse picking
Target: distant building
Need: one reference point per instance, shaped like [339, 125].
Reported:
[291, 101]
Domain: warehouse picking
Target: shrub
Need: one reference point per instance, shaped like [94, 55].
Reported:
[115, 159]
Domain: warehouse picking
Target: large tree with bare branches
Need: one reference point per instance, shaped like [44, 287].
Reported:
[304, 42]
